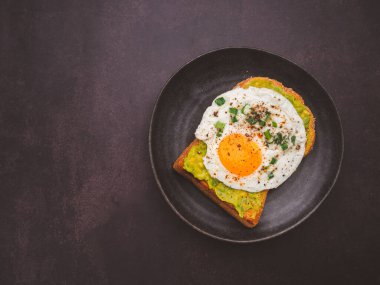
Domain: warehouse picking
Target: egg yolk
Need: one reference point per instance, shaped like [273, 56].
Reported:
[239, 154]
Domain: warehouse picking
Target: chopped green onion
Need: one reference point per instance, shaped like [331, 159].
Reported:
[233, 111]
[234, 119]
[220, 101]
[266, 116]
[251, 120]
[267, 135]
[273, 161]
[262, 123]
[220, 127]
[278, 139]
[270, 175]
[294, 140]
[243, 111]
[284, 146]
[274, 124]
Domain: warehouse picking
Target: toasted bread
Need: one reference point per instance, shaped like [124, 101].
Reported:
[250, 217]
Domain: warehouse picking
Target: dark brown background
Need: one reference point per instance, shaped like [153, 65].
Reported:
[78, 81]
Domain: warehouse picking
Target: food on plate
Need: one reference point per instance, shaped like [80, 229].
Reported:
[251, 139]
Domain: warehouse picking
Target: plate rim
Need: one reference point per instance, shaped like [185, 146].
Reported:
[237, 241]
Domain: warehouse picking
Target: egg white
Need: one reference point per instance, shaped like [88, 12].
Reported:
[282, 112]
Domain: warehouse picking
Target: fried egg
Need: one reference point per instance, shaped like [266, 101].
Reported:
[255, 139]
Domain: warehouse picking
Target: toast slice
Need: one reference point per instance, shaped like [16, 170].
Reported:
[251, 217]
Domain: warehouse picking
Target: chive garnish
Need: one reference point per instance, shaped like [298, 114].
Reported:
[234, 119]
[273, 161]
[233, 111]
[262, 123]
[243, 110]
[270, 175]
[278, 139]
[251, 120]
[267, 135]
[284, 146]
[220, 127]
[267, 115]
[220, 101]
[293, 140]
[274, 124]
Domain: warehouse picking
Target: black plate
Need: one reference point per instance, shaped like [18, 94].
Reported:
[178, 112]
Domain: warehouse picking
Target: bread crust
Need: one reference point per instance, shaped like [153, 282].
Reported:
[203, 187]
[247, 220]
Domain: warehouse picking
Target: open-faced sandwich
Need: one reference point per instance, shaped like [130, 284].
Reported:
[251, 139]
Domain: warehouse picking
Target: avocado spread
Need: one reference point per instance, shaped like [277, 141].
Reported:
[240, 199]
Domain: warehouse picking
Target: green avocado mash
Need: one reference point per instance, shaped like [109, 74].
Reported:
[242, 200]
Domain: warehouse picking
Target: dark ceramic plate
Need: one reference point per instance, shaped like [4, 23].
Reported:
[178, 112]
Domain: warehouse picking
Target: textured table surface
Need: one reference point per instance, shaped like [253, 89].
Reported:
[78, 82]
